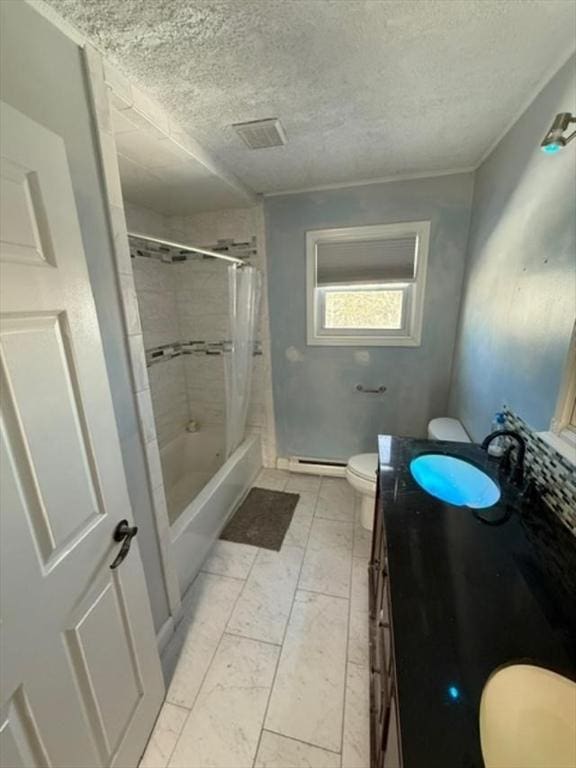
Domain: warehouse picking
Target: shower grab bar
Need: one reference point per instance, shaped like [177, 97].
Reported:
[185, 247]
[362, 388]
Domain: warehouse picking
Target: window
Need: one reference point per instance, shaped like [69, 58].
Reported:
[366, 284]
[564, 422]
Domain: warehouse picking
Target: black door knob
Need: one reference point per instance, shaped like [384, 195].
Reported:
[123, 532]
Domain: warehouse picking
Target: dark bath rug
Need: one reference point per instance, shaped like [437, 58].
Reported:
[262, 519]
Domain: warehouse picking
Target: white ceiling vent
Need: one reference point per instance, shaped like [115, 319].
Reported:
[260, 134]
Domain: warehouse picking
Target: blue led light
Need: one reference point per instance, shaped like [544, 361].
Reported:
[453, 692]
[454, 480]
[551, 149]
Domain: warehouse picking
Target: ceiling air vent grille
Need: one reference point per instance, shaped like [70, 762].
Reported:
[261, 134]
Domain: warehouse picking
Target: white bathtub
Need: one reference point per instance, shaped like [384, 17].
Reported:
[188, 463]
[206, 490]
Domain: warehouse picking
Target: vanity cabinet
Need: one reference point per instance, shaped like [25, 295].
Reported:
[384, 732]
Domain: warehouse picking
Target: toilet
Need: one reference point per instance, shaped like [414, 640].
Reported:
[361, 469]
[361, 474]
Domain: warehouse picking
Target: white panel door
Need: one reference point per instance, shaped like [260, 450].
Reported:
[80, 679]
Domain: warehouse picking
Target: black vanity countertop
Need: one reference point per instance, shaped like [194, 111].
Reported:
[467, 598]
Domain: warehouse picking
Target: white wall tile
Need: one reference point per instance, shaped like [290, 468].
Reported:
[159, 317]
[152, 274]
[120, 236]
[119, 84]
[130, 304]
[110, 167]
[143, 104]
[138, 360]
[154, 466]
[146, 414]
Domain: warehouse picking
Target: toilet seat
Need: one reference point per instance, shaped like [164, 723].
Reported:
[364, 466]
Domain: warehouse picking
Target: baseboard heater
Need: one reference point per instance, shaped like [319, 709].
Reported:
[304, 465]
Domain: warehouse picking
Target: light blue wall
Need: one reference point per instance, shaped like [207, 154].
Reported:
[519, 299]
[318, 413]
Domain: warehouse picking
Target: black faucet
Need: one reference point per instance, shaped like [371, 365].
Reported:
[517, 474]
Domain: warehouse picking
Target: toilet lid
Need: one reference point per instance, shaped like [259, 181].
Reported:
[364, 465]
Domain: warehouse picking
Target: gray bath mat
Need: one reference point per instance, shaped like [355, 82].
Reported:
[262, 519]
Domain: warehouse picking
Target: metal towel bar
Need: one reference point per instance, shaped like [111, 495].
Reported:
[379, 391]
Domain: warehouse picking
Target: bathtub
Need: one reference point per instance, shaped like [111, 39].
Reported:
[188, 462]
[202, 491]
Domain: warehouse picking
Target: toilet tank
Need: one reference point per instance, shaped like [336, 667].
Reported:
[445, 428]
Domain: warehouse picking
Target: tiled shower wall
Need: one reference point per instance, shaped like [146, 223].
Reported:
[188, 301]
[202, 300]
[239, 225]
[156, 291]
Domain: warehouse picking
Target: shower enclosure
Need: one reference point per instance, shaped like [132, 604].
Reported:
[199, 319]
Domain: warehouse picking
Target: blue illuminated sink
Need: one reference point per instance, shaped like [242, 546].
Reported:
[454, 480]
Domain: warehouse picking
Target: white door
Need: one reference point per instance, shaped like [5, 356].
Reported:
[80, 676]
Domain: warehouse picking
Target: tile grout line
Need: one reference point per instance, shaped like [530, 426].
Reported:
[324, 594]
[301, 741]
[225, 575]
[204, 676]
[153, 732]
[236, 578]
[262, 729]
[253, 639]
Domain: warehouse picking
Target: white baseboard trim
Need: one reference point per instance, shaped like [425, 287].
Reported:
[305, 466]
[165, 634]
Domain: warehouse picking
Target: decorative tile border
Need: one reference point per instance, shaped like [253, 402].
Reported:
[170, 255]
[165, 352]
[555, 475]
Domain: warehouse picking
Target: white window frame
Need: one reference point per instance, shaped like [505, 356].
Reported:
[562, 435]
[413, 306]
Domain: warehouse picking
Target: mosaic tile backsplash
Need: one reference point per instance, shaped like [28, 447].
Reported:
[554, 474]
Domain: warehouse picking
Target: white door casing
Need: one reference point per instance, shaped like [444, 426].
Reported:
[80, 678]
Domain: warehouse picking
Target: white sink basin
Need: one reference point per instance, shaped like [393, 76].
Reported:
[528, 719]
[454, 480]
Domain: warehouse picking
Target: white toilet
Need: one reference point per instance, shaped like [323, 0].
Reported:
[362, 469]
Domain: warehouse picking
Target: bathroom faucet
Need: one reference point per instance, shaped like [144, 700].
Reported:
[517, 474]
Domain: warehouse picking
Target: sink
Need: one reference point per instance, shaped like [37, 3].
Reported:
[528, 719]
[454, 480]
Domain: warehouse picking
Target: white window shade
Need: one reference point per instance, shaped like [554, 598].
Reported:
[366, 262]
[365, 285]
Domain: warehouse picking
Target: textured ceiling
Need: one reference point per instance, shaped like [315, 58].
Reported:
[364, 88]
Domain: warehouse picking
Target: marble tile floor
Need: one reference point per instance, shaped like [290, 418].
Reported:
[269, 666]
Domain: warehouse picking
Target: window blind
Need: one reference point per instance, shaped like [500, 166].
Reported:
[366, 261]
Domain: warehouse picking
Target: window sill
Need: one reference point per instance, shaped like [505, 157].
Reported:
[363, 341]
[564, 445]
